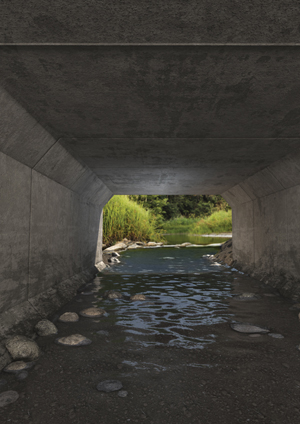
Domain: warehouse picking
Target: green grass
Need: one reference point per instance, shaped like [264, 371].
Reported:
[179, 225]
[218, 222]
[124, 218]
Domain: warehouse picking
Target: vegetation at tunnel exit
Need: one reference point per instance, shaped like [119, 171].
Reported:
[146, 218]
[217, 222]
[124, 218]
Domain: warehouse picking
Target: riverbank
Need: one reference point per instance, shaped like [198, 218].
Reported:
[218, 222]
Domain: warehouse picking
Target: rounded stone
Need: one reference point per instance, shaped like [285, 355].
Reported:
[92, 312]
[248, 328]
[122, 393]
[46, 328]
[69, 317]
[138, 297]
[109, 386]
[276, 335]
[113, 295]
[8, 397]
[20, 347]
[74, 340]
[247, 296]
[18, 366]
[22, 375]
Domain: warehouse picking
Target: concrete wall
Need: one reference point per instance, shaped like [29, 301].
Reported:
[266, 229]
[50, 216]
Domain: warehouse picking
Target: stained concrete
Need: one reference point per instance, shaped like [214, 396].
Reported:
[149, 21]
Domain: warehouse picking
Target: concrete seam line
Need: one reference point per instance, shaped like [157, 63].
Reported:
[47, 151]
[153, 44]
[29, 235]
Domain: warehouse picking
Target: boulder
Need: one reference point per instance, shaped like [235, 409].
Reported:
[46, 328]
[21, 347]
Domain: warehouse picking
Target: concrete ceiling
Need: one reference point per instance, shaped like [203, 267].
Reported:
[169, 119]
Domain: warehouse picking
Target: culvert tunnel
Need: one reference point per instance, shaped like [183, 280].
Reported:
[88, 113]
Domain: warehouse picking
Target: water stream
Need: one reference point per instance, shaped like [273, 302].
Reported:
[184, 290]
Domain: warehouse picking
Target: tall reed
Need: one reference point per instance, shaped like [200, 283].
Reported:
[123, 217]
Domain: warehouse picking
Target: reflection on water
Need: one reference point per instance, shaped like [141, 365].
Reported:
[194, 239]
[184, 292]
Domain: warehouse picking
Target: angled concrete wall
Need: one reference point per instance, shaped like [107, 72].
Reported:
[266, 230]
[50, 219]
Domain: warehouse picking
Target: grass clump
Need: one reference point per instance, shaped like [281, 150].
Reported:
[217, 222]
[123, 217]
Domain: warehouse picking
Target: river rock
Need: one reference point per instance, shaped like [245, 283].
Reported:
[69, 317]
[122, 393]
[113, 260]
[20, 347]
[133, 246]
[22, 375]
[113, 295]
[92, 312]
[118, 246]
[109, 386]
[115, 254]
[8, 397]
[18, 366]
[248, 328]
[246, 296]
[138, 297]
[74, 340]
[46, 328]
[276, 335]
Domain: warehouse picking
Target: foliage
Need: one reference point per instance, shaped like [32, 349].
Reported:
[218, 222]
[124, 218]
[189, 206]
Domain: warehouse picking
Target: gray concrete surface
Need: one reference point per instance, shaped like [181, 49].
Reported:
[178, 99]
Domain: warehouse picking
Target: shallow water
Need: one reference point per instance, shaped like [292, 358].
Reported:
[183, 290]
[194, 239]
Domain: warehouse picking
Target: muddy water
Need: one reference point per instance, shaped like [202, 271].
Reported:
[183, 289]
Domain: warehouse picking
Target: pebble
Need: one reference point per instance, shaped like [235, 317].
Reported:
[92, 312]
[246, 296]
[276, 335]
[74, 340]
[22, 375]
[69, 317]
[122, 393]
[113, 295]
[103, 333]
[45, 328]
[8, 397]
[109, 386]
[248, 328]
[20, 347]
[18, 366]
[138, 297]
